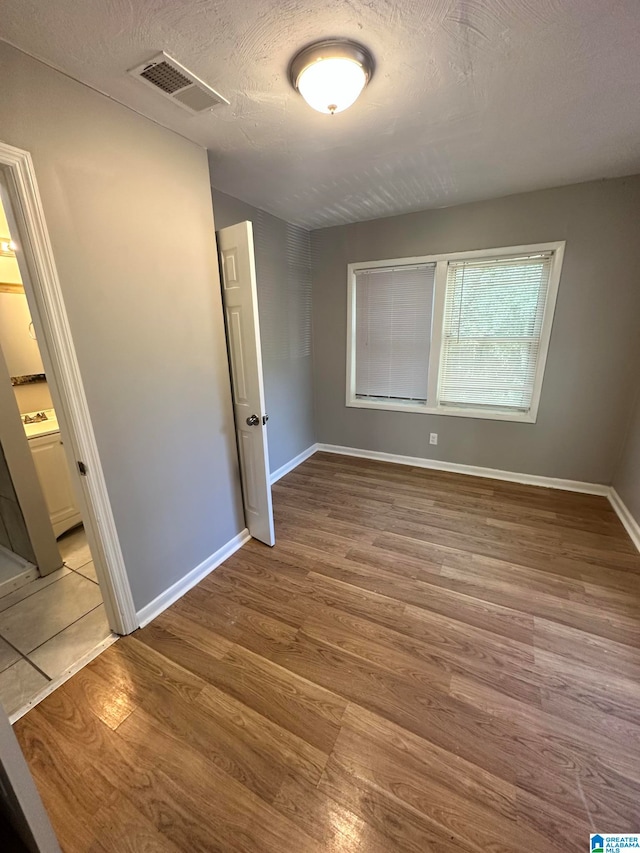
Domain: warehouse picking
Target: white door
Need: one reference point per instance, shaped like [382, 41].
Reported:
[240, 298]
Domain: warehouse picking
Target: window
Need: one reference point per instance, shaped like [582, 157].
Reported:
[393, 332]
[461, 334]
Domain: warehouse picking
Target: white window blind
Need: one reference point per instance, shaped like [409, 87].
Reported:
[491, 335]
[394, 307]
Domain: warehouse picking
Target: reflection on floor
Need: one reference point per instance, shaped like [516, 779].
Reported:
[49, 624]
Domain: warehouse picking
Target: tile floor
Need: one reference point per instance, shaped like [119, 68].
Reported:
[49, 624]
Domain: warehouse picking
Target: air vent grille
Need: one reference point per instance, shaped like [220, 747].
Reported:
[177, 84]
[165, 77]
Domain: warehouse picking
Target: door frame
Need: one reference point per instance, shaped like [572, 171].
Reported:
[46, 302]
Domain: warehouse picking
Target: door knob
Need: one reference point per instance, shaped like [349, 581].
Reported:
[253, 420]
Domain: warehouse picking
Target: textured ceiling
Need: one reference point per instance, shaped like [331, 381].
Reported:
[471, 99]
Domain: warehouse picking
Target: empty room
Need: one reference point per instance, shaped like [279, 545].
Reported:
[320, 426]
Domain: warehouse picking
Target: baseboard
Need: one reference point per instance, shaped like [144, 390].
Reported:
[471, 470]
[293, 463]
[171, 595]
[622, 511]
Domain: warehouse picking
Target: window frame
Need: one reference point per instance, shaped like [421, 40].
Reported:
[440, 287]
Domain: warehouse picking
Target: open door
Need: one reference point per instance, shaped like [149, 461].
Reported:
[240, 298]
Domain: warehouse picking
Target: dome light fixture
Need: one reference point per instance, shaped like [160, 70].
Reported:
[331, 74]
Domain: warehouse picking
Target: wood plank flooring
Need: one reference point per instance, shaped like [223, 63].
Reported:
[424, 662]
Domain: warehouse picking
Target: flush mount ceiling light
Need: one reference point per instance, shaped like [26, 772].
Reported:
[331, 74]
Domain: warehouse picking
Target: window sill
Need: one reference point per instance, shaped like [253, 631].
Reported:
[483, 415]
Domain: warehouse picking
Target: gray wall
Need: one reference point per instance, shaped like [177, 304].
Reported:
[129, 213]
[627, 477]
[284, 301]
[594, 345]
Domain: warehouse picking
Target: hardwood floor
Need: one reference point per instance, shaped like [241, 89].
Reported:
[424, 662]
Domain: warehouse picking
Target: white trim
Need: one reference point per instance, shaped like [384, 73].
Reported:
[449, 411]
[471, 254]
[471, 470]
[52, 326]
[179, 588]
[624, 514]
[437, 332]
[547, 326]
[441, 261]
[65, 676]
[293, 463]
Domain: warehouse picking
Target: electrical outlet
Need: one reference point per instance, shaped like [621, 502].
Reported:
[433, 438]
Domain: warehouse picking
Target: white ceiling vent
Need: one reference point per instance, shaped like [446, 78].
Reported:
[177, 84]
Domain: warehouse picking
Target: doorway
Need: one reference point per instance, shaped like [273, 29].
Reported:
[54, 426]
[51, 609]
